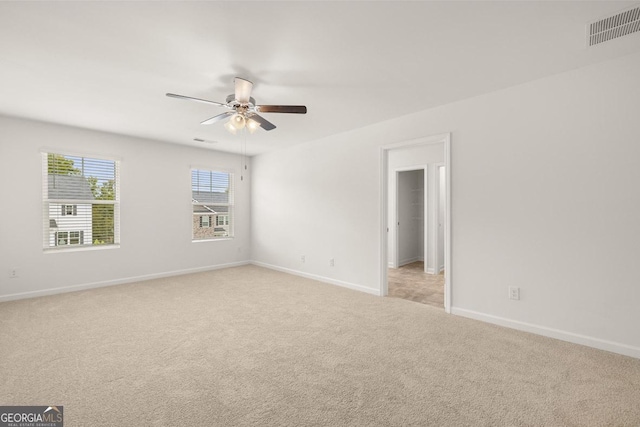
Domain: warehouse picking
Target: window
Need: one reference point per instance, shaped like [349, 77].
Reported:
[69, 210]
[63, 238]
[212, 196]
[80, 201]
[74, 237]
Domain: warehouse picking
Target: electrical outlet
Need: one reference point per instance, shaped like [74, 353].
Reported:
[332, 262]
[514, 293]
[13, 273]
[302, 259]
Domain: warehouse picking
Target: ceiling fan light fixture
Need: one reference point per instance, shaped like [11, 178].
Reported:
[252, 125]
[237, 121]
[228, 126]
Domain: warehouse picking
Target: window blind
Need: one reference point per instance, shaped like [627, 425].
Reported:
[212, 203]
[80, 201]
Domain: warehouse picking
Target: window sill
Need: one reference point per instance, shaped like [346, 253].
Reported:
[80, 248]
[216, 239]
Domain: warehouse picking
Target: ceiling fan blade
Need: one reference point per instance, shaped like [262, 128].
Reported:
[264, 123]
[217, 118]
[173, 95]
[295, 109]
[243, 90]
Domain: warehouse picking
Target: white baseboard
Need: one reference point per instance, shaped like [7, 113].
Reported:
[324, 279]
[430, 270]
[410, 260]
[588, 341]
[53, 291]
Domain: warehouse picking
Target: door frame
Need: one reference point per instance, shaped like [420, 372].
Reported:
[445, 139]
[436, 215]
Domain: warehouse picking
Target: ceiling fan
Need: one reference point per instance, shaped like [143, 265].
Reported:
[243, 109]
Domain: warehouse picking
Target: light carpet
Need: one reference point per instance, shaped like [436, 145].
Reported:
[249, 346]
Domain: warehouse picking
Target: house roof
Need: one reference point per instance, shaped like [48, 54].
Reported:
[74, 187]
[210, 209]
[211, 202]
[210, 197]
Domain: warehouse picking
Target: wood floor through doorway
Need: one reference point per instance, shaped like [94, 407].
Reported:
[412, 283]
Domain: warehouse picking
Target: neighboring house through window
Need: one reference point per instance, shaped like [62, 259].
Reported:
[80, 200]
[212, 202]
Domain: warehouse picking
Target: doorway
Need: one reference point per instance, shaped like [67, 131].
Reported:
[416, 227]
[415, 272]
[410, 219]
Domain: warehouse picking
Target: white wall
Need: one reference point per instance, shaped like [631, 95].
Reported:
[535, 171]
[155, 211]
[410, 221]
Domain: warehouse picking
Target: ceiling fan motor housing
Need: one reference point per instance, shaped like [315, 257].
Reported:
[231, 100]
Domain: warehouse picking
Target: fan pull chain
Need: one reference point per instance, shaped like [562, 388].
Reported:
[243, 154]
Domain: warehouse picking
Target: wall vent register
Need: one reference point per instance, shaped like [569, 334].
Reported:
[619, 25]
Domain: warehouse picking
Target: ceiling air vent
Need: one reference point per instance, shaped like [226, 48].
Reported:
[613, 27]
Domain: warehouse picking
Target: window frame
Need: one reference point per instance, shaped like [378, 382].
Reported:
[230, 226]
[50, 232]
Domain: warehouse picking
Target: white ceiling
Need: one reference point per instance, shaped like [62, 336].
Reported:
[107, 65]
